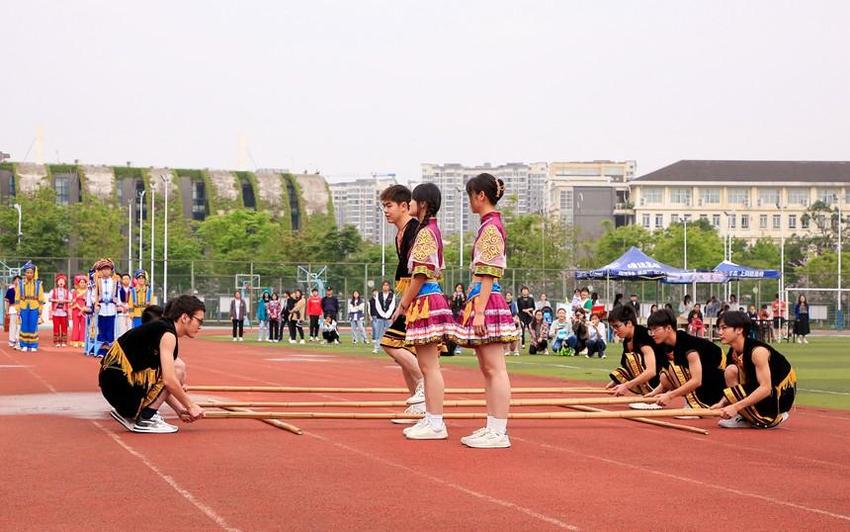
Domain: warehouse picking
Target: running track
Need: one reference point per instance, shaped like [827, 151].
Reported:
[63, 470]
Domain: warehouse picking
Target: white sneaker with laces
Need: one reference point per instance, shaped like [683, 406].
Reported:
[418, 396]
[738, 422]
[426, 432]
[645, 406]
[302, 341]
[489, 440]
[234, 338]
[154, 425]
[420, 423]
[412, 409]
[241, 339]
[474, 435]
[291, 341]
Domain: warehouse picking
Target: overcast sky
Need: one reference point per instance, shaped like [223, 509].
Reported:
[355, 87]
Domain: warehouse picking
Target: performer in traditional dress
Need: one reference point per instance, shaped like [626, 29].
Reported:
[28, 300]
[105, 302]
[60, 301]
[140, 297]
[486, 324]
[78, 311]
[428, 317]
[761, 382]
[641, 362]
[123, 320]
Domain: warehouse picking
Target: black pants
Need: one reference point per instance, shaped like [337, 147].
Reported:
[240, 326]
[330, 336]
[274, 329]
[293, 327]
[314, 327]
[523, 325]
[537, 347]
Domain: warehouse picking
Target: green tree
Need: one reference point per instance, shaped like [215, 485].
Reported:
[240, 235]
[822, 270]
[96, 231]
[617, 240]
[44, 225]
[705, 247]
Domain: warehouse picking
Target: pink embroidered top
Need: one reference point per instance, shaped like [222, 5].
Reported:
[488, 250]
[426, 256]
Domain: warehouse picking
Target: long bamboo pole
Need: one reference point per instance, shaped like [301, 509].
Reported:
[618, 414]
[273, 422]
[563, 401]
[656, 422]
[313, 389]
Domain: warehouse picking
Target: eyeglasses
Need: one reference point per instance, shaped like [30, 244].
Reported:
[199, 320]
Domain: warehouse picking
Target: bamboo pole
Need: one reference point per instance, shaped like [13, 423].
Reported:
[273, 422]
[313, 389]
[607, 414]
[656, 422]
[563, 401]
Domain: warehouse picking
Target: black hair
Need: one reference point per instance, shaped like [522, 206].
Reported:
[623, 314]
[16, 278]
[152, 313]
[662, 318]
[490, 185]
[429, 194]
[580, 311]
[267, 296]
[736, 320]
[180, 305]
[396, 194]
[315, 290]
[523, 288]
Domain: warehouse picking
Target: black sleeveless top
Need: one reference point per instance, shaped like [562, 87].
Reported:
[776, 361]
[408, 236]
[141, 344]
[710, 355]
[642, 338]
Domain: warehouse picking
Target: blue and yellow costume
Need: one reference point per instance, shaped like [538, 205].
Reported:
[28, 300]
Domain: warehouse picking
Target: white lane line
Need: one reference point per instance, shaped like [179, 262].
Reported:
[186, 494]
[813, 390]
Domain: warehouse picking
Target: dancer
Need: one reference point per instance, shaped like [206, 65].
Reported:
[28, 300]
[486, 324]
[642, 360]
[140, 297]
[105, 302]
[60, 301]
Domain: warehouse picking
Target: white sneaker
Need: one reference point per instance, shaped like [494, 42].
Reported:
[738, 422]
[374, 351]
[126, 422]
[412, 409]
[234, 338]
[426, 432]
[645, 406]
[154, 425]
[418, 396]
[805, 340]
[291, 341]
[241, 339]
[474, 435]
[161, 420]
[489, 440]
[783, 418]
[336, 342]
[302, 341]
[419, 423]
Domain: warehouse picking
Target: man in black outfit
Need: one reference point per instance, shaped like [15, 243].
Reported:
[330, 304]
[525, 311]
[635, 304]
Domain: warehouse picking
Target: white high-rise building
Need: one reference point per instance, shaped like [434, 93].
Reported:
[358, 203]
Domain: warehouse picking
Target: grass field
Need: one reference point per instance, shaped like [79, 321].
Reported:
[823, 365]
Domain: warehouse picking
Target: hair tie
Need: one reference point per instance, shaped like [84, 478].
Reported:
[500, 188]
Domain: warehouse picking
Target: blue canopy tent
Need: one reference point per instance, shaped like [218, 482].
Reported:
[737, 272]
[633, 265]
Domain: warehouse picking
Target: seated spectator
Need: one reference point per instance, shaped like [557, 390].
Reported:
[559, 331]
[539, 331]
[696, 326]
[596, 335]
[578, 340]
[329, 331]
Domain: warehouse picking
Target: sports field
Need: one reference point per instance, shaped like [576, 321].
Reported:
[68, 466]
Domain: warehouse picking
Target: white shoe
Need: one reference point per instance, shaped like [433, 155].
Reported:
[302, 341]
[488, 440]
[418, 395]
[336, 342]
[374, 351]
[419, 423]
[234, 338]
[291, 341]
[805, 340]
[474, 435]
[241, 339]
[33, 349]
[645, 406]
[126, 422]
[412, 409]
[603, 356]
[738, 422]
[783, 419]
[154, 425]
[426, 432]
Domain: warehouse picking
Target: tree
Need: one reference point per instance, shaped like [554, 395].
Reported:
[240, 235]
[616, 241]
[822, 270]
[44, 225]
[97, 231]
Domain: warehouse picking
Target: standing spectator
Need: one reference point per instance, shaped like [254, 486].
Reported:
[238, 309]
[314, 313]
[538, 331]
[525, 309]
[79, 308]
[633, 301]
[723, 308]
[578, 340]
[686, 305]
[733, 302]
[544, 306]
[576, 301]
[330, 304]
[457, 304]
[652, 308]
[618, 300]
[329, 330]
[285, 308]
[274, 307]
[696, 324]
[356, 315]
[801, 315]
[560, 331]
[12, 313]
[779, 310]
[373, 315]
[262, 315]
[385, 303]
[596, 335]
[712, 306]
[296, 315]
[513, 347]
[586, 302]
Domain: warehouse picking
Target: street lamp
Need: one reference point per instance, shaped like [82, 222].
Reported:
[153, 233]
[17, 207]
[459, 191]
[685, 225]
[166, 179]
[141, 226]
[839, 316]
[781, 260]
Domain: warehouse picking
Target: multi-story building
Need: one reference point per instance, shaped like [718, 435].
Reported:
[358, 203]
[748, 199]
[584, 194]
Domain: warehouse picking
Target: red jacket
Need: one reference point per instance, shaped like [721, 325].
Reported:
[314, 306]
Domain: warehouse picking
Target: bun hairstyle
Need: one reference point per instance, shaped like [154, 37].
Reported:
[490, 185]
[427, 195]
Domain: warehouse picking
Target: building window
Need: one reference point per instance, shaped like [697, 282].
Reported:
[777, 221]
[804, 222]
[659, 221]
[792, 221]
[11, 185]
[651, 195]
[715, 220]
[798, 196]
[199, 200]
[703, 217]
[709, 196]
[680, 196]
[762, 221]
[745, 221]
[827, 195]
[62, 189]
[768, 197]
[732, 220]
[687, 217]
[738, 195]
[249, 201]
[674, 218]
[646, 221]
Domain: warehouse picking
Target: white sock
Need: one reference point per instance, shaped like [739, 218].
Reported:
[436, 421]
[490, 420]
[498, 425]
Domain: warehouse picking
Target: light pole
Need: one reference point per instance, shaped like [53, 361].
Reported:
[153, 233]
[130, 236]
[17, 207]
[459, 191]
[781, 260]
[383, 222]
[839, 316]
[685, 225]
[141, 226]
[166, 179]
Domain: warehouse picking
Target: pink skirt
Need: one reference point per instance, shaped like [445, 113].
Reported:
[497, 319]
[429, 320]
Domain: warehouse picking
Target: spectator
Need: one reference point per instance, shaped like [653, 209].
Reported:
[559, 332]
[373, 315]
[538, 331]
[385, 302]
[669, 307]
[779, 310]
[274, 308]
[544, 306]
[457, 304]
[652, 308]
[525, 309]
[356, 315]
[586, 302]
[330, 304]
[513, 347]
[686, 305]
[576, 300]
[578, 340]
[262, 315]
[618, 300]
[296, 315]
[285, 306]
[633, 301]
[733, 301]
[712, 306]
[329, 330]
[314, 308]
[238, 309]
[696, 324]
[723, 309]
[596, 335]
[801, 315]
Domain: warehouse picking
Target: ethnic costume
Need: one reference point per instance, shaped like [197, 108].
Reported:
[78, 311]
[131, 373]
[713, 362]
[123, 322]
[395, 334]
[140, 297]
[429, 319]
[60, 300]
[783, 386]
[632, 363]
[28, 300]
[105, 298]
[488, 258]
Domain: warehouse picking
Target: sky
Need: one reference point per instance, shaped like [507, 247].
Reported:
[355, 88]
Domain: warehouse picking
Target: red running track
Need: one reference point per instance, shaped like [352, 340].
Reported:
[71, 470]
